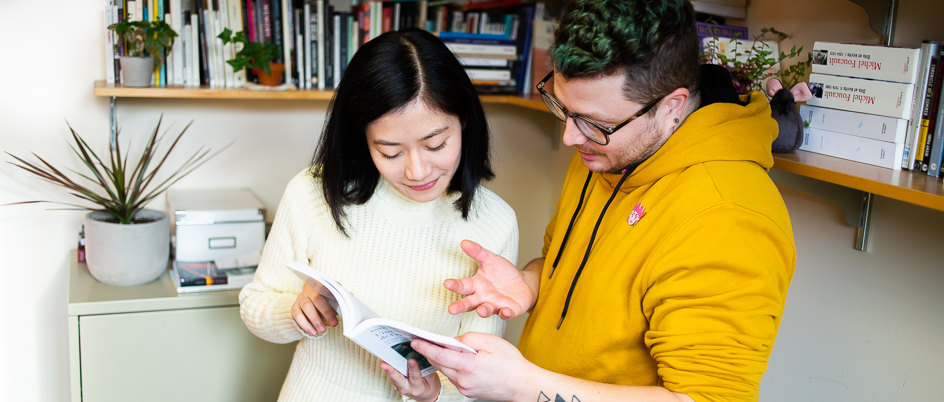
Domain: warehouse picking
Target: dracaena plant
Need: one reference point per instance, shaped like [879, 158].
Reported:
[116, 185]
[143, 38]
[250, 54]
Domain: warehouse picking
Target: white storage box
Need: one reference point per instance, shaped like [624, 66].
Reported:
[214, 224]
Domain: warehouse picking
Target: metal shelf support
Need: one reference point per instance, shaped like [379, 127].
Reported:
[856, 204]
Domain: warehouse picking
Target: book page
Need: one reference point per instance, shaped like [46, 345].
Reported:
[352, 310]
[390, 341]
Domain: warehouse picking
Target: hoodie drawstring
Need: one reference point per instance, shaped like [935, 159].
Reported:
[593, 235]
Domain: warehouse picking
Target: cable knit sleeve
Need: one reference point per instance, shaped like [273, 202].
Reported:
[265, 304]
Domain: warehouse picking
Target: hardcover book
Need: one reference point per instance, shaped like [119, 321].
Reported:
[882, 128]
[387, 339]
[205, 276]
[883, 98]
[896, 64]
[859, 149]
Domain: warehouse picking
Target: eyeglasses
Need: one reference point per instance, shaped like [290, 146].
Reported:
[592, 130]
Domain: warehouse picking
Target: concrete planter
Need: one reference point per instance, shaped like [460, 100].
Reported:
[137, 71]
[127, 255]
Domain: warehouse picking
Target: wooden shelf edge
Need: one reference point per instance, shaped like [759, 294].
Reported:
[181, 92]
[897, 184]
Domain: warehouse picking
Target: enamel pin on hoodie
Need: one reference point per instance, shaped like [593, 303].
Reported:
[636, 215]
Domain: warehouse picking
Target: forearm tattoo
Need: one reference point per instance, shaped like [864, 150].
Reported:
[557, 398]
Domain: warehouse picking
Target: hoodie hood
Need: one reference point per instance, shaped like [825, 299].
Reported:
[715, 132]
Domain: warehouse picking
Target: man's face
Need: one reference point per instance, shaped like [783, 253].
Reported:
[601, 100]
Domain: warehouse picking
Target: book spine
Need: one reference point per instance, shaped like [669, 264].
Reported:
[236, 8]
[328, 21]
[176, 19]
[195, 54]
[478, 74]
[881, 128]
[883, 98]
[311, 50]
[336, 50]
[110, 41]
[266, 20]
[288, 33]
[937, 151]
[276, 12]
[859, 149]
[864, 61]
[227, 48]
[920, 164]
[483, 50]
[300, 63]
[706, 30]
[203, 48]
[186, 52]
[320, 45]
[933, 120]
[917, 103]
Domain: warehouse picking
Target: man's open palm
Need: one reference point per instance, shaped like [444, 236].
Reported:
[497, 287]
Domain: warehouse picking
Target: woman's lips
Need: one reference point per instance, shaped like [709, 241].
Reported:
[423, 187]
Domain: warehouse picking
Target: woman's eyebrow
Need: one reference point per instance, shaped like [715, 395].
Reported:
[435, 132]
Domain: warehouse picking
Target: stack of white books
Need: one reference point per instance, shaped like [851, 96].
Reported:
[863, 99]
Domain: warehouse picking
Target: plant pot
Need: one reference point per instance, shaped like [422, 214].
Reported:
[137, 71]
[127, 255]
[272, 80]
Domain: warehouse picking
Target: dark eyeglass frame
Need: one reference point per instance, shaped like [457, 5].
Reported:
[606, 131]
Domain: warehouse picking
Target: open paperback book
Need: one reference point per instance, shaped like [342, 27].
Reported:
[387, 339]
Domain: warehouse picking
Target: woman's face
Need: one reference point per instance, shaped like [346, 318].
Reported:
[416, 149]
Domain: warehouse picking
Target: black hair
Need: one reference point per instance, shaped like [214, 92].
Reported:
[386, 75]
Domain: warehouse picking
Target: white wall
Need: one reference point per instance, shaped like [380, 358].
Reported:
[48, 71]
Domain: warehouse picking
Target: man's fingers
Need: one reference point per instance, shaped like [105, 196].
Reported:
[485, 310]
[413, 369]
[465, 304]
[443, 358]
[477, 252]
[463, 286]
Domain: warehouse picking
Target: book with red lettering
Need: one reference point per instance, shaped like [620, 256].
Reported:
[851, 147]
[896, 64]
[884, 98]
[385, 338]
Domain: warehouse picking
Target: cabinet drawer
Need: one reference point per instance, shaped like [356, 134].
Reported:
[204, 355]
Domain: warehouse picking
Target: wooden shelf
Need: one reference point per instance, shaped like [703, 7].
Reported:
[901, 185]
[892, 183]
[181, 92]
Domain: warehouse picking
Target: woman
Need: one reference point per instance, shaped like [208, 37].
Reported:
[394, 188]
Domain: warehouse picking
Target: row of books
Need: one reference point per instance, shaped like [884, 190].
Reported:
[875, 105]
[493, 39]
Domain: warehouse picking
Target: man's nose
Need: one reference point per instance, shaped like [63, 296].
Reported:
[572, 135]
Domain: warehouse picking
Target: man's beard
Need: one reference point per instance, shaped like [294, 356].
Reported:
[644, 145]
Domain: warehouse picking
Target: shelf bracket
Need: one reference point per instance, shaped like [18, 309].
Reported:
[857, 205]
[113, 122]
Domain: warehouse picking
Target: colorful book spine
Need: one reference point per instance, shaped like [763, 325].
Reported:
[937, 151]
[859, 149]
[707, 30]
[895, 64]
[929, 113]
[881, 128]
[883, 98]
[921, 85]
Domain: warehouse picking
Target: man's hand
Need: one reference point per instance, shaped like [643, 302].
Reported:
[421, 389]
[311, 311]
[497, 287]
[491, 374]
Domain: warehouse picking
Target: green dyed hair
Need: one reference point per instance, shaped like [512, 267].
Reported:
[653, 43]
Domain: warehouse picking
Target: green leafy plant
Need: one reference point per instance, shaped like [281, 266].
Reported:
[750, 68]
[143, 38]
[114, 188]
[250, 54]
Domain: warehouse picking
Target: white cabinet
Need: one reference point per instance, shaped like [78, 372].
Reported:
[147, 343]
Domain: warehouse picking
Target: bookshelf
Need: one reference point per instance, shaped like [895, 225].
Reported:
[858, 182]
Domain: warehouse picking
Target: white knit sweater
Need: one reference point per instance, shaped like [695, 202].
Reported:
[395, 261]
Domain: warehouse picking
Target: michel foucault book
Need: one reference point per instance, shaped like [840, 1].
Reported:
[385, 338]
[221, 274]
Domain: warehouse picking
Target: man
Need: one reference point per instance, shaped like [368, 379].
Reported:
[665, 270]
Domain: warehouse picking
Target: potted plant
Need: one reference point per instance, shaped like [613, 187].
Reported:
[255, 55]
[125, 244]
[145, 45]
[751, 67]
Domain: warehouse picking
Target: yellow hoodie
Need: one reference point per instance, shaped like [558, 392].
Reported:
[686, 280]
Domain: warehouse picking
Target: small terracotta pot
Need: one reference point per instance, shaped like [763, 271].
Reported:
[274, 79]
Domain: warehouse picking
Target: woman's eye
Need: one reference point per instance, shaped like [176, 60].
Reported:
[389, 156]
[441, 146]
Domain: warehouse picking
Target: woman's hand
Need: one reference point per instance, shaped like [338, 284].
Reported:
[422, 389]
[311, 311]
